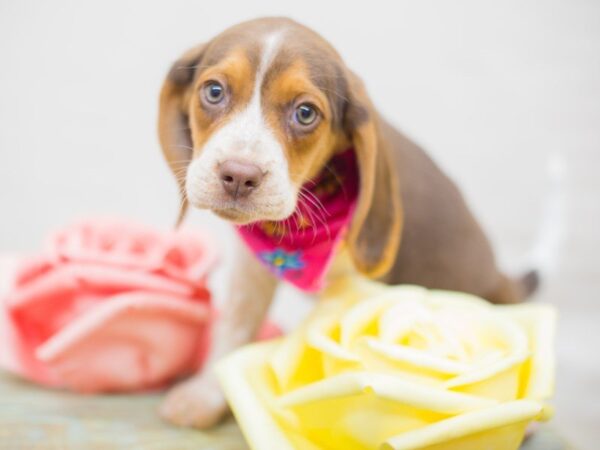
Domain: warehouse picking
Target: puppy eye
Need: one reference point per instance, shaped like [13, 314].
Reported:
[305, 114]
[214, 92]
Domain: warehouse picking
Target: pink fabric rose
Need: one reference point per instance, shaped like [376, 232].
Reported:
[110, 305]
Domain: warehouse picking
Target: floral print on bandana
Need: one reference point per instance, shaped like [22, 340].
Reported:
[301, 249]
[282, 261]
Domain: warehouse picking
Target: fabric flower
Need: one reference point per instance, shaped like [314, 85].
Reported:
[110, 305]
[379, 367]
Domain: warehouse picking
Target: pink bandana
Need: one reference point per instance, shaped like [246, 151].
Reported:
[301, 248]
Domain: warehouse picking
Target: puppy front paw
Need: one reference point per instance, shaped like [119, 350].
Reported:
[197, 402]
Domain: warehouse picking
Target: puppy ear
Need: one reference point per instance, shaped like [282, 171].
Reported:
[173, 121]
[376, 228]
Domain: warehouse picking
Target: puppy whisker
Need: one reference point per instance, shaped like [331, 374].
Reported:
[318, 206]
[310, 216]
[319, 209]
[316, 199]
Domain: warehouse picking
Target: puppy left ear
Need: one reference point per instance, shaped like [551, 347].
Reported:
[173, 121]
[376, 228]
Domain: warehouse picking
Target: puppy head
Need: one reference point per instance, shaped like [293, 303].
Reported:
[249, 117]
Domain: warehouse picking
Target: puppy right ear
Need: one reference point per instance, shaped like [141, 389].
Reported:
[376, 228]
[173, 118]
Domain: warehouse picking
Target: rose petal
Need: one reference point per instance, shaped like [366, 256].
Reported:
[465, 431]
[447, 377]
[131, 341]
[539, 321]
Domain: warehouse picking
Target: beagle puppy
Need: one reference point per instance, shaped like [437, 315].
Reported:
[267, 127]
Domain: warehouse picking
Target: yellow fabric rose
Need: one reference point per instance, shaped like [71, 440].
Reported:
[379, 367]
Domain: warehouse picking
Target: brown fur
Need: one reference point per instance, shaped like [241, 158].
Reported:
[411, 223]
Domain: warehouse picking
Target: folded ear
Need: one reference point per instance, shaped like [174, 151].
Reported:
[173, 121]
[375, 232]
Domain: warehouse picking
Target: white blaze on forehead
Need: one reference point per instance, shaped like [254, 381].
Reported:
[249, 129]
[247, 137]
[269, 51]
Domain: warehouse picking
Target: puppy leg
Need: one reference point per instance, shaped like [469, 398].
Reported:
[199, 402]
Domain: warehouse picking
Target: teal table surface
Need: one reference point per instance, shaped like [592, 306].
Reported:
[34, 418]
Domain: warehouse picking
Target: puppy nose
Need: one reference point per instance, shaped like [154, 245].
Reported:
[239, 178]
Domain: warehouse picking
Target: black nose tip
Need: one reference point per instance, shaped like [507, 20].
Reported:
[239, 178]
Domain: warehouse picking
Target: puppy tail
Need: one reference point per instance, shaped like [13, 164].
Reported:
[529, 283]
[544, 257]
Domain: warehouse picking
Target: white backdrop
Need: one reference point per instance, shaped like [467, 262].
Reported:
[489, 88]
